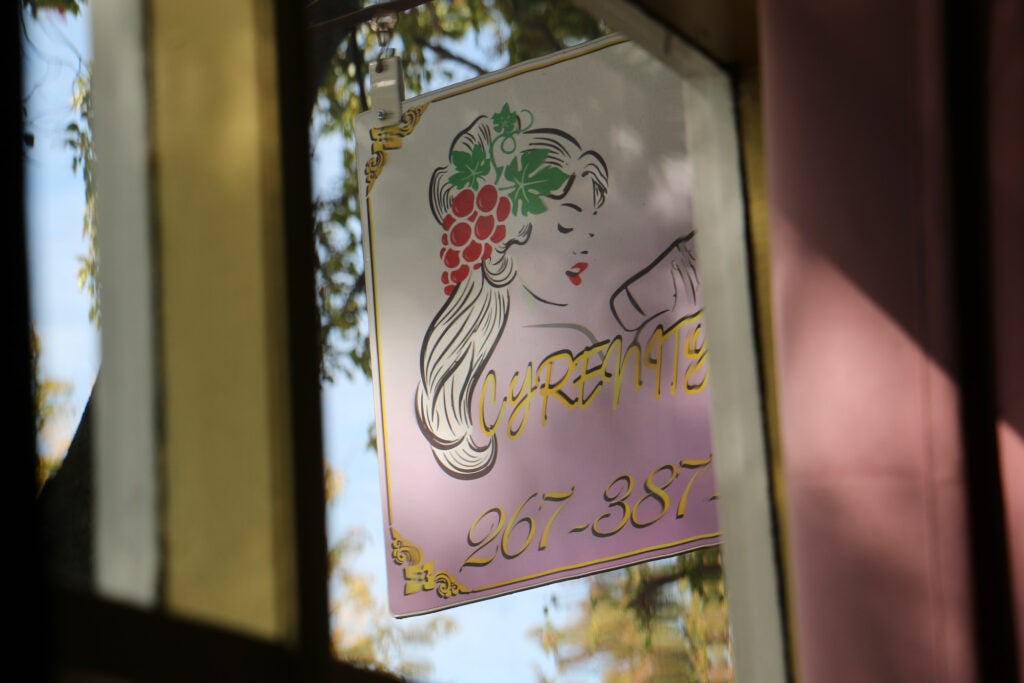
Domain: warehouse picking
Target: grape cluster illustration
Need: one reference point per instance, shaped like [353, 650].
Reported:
[475, 222]
[488, 193]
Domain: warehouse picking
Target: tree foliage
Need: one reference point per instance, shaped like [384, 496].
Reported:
[659, 621]
[62, 6]
[78, 138]
[83, 160]
[51, 396]
[363, 633]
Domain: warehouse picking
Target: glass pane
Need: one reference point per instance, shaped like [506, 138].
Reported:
[659, 620]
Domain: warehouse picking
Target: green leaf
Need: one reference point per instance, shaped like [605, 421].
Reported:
[531, 182]
[469, 167]
[505, 121]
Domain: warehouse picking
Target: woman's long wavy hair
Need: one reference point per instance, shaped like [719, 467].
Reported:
[463, 334]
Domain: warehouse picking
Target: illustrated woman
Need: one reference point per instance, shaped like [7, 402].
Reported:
[507, 184]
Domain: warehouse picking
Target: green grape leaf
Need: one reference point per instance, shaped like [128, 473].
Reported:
[531, 182]
[505, 121]
[470, 167]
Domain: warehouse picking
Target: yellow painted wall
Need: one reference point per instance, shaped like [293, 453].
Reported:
[229, 544]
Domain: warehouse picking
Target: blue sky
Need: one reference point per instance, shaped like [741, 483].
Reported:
[56, 49]
[491, 640]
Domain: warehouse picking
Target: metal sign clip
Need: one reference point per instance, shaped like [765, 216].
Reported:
[387, 89]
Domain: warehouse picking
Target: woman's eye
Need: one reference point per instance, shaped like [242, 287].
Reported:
[564, 230]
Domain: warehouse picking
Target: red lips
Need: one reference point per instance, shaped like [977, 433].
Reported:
[574, 273]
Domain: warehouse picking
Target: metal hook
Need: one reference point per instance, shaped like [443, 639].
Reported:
[383, 26]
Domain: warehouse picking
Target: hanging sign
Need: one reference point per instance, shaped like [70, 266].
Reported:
[538, 337]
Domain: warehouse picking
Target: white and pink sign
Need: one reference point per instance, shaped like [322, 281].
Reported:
[538, 337]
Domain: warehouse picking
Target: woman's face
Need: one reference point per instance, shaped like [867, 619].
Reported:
[554, 264]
